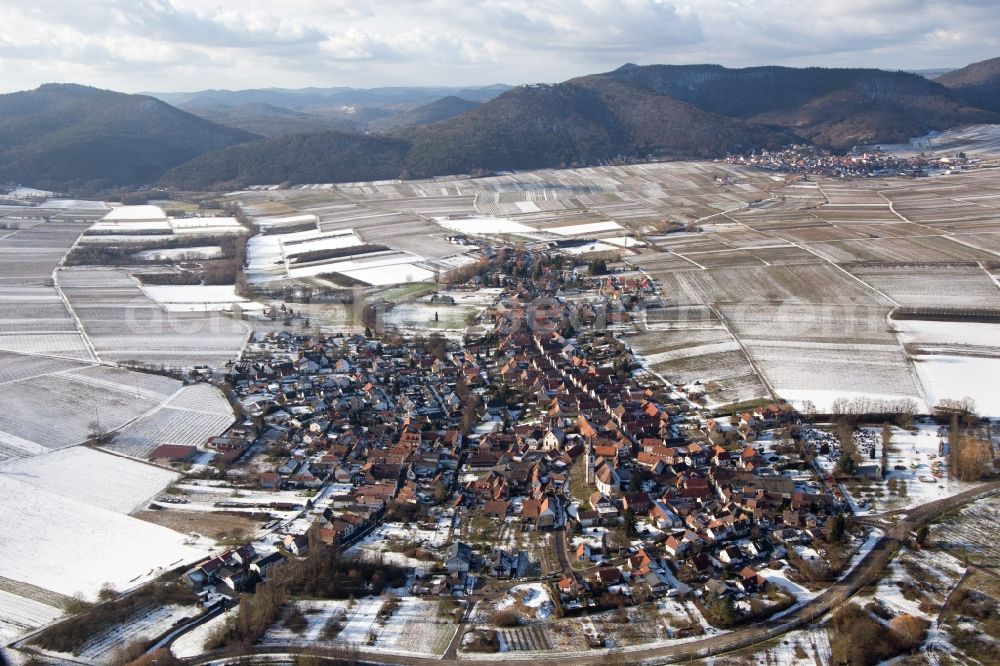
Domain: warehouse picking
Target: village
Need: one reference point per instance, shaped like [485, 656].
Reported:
[536, 456]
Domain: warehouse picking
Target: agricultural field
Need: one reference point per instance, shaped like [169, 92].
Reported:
[190, 417]
[57, 410]
[146, 624]
[124, 324]
[19, 615]
[81, 474]
[108, 546]
[971, 532]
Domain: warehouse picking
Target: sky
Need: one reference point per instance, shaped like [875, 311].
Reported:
[186, 45]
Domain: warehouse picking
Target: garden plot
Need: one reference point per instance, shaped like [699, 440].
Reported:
[192, 416]
[806, 647]
[916, 472]
[107, 547]
[423, 316]
[954, 286]
[81, 474]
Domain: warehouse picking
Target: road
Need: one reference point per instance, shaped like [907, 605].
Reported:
[868, 570]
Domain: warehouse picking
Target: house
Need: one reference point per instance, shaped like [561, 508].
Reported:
[572, 586]
[495, 509]
[173, 453]
[505, 565]
[730, 556]
[264, 564]
[296, 544]
[583, 553]
[655, 583]
[459, 558]
[587, 518]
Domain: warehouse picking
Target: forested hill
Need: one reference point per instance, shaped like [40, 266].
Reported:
[582, 121]
[64, 135]
[834, 108]
[977, 84]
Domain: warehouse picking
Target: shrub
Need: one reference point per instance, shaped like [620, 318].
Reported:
[506, 618]
[910, 631]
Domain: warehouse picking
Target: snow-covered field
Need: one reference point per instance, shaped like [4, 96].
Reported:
[145, 625]
[414, 627]
[392, 274]
[98, 479]
[70, 546]
[485, 225]
[197, 298]
[583, 229]
[179, 253]
[196, 413]
[192, 642]
[56, 410]
[124, 324]
[19, 615]
[957, 377]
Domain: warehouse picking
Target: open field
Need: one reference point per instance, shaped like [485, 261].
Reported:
[108, 546]
[82, 474]
[214, 525]
[193, 415]
[972, 533]
[124, 324]
[56, 410]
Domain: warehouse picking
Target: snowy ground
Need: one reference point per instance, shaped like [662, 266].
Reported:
[916, 472]
[73, 536]
[19, 615]
[198, 298]
[956, 377]
[482, 226]
[179, 253]
[92, 477]
[192, 642]
[583, 229]
[193, 415]
[414, 627]
[145, 625]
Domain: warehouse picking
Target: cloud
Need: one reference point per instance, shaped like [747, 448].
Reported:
[190, 44]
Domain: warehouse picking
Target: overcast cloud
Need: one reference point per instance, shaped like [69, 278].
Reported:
[180, 45]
